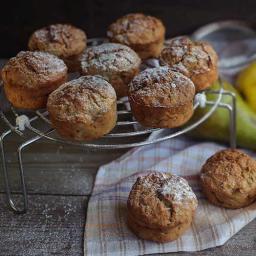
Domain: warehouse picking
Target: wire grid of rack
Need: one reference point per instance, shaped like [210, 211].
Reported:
[127, 129]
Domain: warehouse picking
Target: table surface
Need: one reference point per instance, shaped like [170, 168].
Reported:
[59, 181]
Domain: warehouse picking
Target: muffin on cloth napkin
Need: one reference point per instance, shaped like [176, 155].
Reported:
[106, 231]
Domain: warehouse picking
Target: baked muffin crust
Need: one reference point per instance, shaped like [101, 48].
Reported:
[143, 33]
[158, 235]
[135, 28]
[228, 179]
[160, 204]
[161, 87]
[33, 70]
[158, 199]
[115, 62]
[196, 60]
[84, 108]
[109, 57]
[62, 40]
[161, 97]
[30, 77]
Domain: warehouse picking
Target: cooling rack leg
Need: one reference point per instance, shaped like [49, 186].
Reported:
[7, 180]
[21, 169]
[232, 122]
[21, 173]
[232, 114]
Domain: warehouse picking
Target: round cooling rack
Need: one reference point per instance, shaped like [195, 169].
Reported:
[127, 129]
[128, 133]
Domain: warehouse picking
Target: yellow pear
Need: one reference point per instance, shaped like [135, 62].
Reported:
[246, 84]
[216, 127]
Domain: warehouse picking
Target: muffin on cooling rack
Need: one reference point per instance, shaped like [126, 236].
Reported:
[115, 62]
[228, 179]
[161, 97]
[31, 76]
[144, 34]
[83, 109]
[161, 207]
[62, 40]
[196, 60]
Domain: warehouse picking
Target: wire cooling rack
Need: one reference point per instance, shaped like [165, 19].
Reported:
[128, 133]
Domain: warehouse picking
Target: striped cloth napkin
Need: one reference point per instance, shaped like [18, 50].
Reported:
[106, 232]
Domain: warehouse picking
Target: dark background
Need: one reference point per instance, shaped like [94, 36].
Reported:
[19, 19]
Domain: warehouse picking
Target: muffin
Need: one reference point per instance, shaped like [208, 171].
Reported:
[144, 34]
[196, 60]
[63, 40]
[161, 97]
[31, 76]
[228, 179]
[160, 207]
[83, 109]
[115, 62]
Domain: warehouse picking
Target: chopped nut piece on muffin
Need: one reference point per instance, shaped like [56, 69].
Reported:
[161, 207]
[196, 60]
[161, 97]
[228, 179]
[83, 109]
[31, 76]
[144, 34]
[62, 40]
[115, 62]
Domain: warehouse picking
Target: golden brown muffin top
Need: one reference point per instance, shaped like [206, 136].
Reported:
[230, 171]
[188, 57]
[161, 200]
[62, 40]
[109, 57]
[81, 100]
[161, 87]
[33, 70]
[136, 28]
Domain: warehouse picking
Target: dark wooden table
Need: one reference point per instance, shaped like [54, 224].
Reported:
[59, 181]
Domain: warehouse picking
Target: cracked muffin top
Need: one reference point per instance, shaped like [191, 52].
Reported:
[161, 200]
[33, 70]
[161, 87]
[63, 40]
[230, 175]
[109, 58]
[136, 28]
[82, 100]
[188, 57]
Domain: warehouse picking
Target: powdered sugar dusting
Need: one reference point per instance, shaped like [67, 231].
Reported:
[177, 188]
[76, 88]
[109, 57]
[156, 73]
[136, 28]
[150, 180]
[168, 185]
[186, 56]
[82, 99]
[163, 75]
[59, 39]
[41, 62]
[34, 69]
[59, 33]
[179, 51]
[179, 67]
